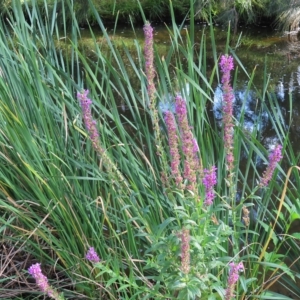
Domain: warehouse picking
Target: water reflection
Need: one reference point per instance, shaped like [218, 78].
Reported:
[246, 110]
[167, 102]
[280, 91]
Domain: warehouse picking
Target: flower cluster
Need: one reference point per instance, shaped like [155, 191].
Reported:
[151, 90]
[92, 255]
[42, 281]
[173, 145]
[149, 61]
[233, 278]
[226, 65]
[274, 157]
[89, 123]
[209, 180]
[91, 127]
[189, 144]
[185, 251]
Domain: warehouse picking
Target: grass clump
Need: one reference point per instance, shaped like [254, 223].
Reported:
[151, 201]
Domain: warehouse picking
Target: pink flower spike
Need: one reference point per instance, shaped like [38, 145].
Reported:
[233, 278]
[185, 250]
[191, 161]
[89, 123]
[173, 145]
[149, 61]
[42, 281]
[274, 157]
[226, 65]
[209, 181]
[92, 255]
[195, 146]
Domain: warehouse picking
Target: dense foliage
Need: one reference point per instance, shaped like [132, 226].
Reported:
[118, 186]
[284, 13]
[281, 13]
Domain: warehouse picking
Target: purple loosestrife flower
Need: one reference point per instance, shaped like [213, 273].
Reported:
[209, 180]
[151, 90]
[233, 278]
[92, 255]
[226, 65]
[149, 62]
[195, 146]
[185, 251]
[91, 127]
[42, 281]
[173, 145]
[191, 162]
[274, 157]
[89, 123]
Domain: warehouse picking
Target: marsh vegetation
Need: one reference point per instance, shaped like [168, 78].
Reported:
[116, 180]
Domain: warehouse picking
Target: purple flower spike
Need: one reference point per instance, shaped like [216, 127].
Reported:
[226, 65]
[42, 281]
[233, 278]
[185, 251]
[173, 145]
[274, 157]
[209, 180]
[191, 162]
[92, 255]
[149, 61]
[89, 123]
